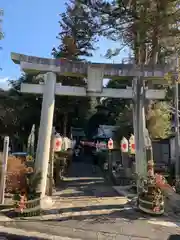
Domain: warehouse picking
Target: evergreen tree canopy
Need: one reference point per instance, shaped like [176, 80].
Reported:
[78, 32]
[150, 29]
[77, 38]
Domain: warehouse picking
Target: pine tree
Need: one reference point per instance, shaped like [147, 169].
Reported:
[77, 38]
[78, 32]
[149, 28]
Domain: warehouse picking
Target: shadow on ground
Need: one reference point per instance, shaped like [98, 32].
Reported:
[174, 237]
[7, 236]
[85, 186]
[119, 212]
[93, 189]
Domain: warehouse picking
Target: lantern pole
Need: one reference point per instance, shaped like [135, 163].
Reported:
[110, 164]
[125, 155]
[110, 147]
[132, 153]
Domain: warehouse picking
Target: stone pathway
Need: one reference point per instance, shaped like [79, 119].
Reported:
[84, 194]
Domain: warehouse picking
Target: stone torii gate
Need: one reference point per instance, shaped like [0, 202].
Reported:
[94, 72]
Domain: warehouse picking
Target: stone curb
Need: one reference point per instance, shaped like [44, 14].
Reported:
[47, 203]
[34, 234]
[54, 213]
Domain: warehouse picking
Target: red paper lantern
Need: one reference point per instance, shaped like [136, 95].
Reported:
[132, 145]
[110, 144]
[57, 143]
[124, 145]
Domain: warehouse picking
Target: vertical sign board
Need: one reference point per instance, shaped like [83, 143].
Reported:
[95, 78]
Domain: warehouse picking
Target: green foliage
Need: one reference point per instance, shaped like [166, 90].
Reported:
[26, 109]
[77, 39]
[78, 32]
[18, 112]
[121, 108]
[159, 120]
[119, 112]
[67, 108]
[99, 118]
[33, 180]
[149, 28]
[117, 105]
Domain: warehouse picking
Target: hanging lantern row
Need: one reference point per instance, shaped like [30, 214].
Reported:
[61, 143]
[125, 145]
[128, 146]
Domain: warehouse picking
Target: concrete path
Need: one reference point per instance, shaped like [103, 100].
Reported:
[84, 193]
[86, 207]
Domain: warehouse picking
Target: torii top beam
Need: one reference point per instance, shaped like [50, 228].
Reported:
[80, 68]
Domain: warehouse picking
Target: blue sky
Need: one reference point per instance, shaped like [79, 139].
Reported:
[31, 27]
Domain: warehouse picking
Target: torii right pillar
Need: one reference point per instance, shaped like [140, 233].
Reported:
[139, 123]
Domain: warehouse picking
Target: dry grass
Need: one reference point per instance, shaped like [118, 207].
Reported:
[15, 173]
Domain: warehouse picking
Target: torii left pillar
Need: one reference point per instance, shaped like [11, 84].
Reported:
[46, 123]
